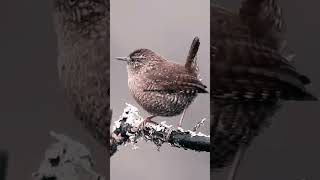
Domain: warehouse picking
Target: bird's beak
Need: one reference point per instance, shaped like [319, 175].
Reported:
[123, 59]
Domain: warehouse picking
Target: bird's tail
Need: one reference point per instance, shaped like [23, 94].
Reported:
[265, 19]
[191, 62]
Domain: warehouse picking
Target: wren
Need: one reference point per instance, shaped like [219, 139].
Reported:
[161, 87]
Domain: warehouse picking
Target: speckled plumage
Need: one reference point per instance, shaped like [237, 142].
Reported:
[250, 75]
[82, 28]
[161, 87]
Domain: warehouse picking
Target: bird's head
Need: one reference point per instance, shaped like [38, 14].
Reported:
[141, 58]
[81, 18]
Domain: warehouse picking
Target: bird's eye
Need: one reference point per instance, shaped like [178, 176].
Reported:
[72, 2]
[134, 58]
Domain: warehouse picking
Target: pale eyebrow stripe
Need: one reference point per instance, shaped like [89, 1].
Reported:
[139, 57]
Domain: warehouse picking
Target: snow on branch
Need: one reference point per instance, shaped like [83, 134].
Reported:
[125, 130]
[66, 160]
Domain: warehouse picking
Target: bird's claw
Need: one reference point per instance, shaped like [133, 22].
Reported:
[168, 134]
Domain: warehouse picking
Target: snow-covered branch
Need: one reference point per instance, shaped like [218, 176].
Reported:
[67, 160]
[125, 130]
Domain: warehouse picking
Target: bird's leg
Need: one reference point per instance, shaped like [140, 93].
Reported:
[236, 162]
[147, 120]
[181, 119]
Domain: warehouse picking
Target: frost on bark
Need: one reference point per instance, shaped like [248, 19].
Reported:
[125, 130]
[66, 160]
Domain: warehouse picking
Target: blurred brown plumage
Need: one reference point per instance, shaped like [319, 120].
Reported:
[82, 28]
[251, 75]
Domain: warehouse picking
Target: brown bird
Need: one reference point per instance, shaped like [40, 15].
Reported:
[82, 28]
[161, 87]
[251, 74]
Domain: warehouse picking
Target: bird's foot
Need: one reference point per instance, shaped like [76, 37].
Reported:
[145, 121]
[169, 134]
[181, 119]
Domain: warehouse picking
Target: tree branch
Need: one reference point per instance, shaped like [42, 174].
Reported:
[125, 130]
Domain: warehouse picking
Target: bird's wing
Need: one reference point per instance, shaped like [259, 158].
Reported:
[250, 71]
[175, 78]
